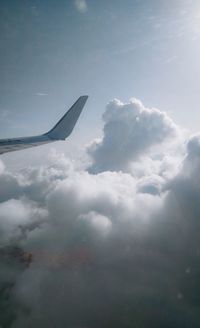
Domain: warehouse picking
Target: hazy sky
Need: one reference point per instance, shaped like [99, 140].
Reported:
[53, 51]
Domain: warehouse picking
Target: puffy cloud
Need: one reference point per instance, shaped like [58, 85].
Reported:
[130, 130]
[151, 185]
[117, 248]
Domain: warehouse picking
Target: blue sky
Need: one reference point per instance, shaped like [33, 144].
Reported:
[53, 51]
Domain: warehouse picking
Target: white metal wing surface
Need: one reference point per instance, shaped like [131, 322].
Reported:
[60, 131]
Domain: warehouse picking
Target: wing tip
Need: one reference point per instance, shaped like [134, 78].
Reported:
[63, 128]
[85, 97]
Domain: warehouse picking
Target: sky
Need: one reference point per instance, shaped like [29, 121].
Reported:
[52, 52]
[101, 230]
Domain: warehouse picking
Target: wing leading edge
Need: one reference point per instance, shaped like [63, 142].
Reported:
[60, 131]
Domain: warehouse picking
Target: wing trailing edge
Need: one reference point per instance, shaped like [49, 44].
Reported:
[60, 131]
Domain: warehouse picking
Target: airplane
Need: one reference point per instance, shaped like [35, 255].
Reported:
[60, 131]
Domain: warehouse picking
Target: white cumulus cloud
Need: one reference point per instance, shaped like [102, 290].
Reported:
[130, 130]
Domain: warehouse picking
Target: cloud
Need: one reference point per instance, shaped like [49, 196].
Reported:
[15, 216]
[115, 247]
[41, 94]
[130, 130]
[81, 6]
[2, 167]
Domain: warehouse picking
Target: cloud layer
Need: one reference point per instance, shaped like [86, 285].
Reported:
[116, 245]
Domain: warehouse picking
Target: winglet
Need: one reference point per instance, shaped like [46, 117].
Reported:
[66, 124]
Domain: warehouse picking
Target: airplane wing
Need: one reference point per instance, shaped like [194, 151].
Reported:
[60, 131]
